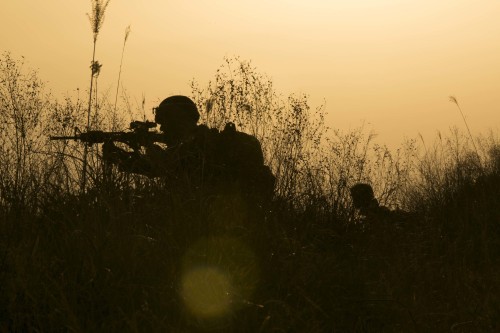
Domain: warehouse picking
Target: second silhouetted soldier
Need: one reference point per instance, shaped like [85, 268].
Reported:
[368, 206]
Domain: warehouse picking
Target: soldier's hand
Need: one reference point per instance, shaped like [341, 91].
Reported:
[154, 149]
[110, 152]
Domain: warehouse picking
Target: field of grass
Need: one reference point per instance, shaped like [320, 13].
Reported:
[125, 254]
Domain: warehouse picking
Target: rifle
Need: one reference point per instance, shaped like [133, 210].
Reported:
[139, 135]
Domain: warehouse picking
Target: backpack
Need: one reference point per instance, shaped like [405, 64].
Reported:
[243, 161]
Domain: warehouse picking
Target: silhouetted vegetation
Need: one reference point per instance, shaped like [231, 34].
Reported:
[128, 255]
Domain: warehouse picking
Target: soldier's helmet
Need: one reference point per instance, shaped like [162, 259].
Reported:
[175, 109]
[362, 196]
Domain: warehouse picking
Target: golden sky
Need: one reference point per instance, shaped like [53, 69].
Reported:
[390, 63]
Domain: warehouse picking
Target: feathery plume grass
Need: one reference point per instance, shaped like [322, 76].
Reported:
[96, 18]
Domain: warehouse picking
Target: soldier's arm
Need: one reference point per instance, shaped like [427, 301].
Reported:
[126, 161]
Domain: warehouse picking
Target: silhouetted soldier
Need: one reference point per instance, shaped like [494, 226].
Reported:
[372, 212]
[197, 158]
[364, 200]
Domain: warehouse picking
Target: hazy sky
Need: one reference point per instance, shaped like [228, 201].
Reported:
[391, 63]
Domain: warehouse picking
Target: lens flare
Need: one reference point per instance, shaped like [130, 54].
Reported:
[207, 292]
[219, 275]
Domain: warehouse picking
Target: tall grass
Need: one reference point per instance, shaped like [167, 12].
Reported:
[123, 255]
[454, 100]
[96, 19]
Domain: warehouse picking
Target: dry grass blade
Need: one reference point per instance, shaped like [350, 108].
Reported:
[127, 33]
[454, 100]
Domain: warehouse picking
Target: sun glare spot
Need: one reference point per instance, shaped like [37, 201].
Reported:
[219, 275]
[207, 292]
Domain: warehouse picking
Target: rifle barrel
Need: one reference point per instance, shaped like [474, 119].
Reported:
[63, 138]
[100, 137]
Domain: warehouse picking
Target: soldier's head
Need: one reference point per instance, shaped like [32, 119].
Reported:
[177, 116]
[362, 196]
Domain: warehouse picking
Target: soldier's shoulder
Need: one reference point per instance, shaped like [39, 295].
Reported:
[403, 216]
[206, 133]
[230, 132]
[202, 128]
